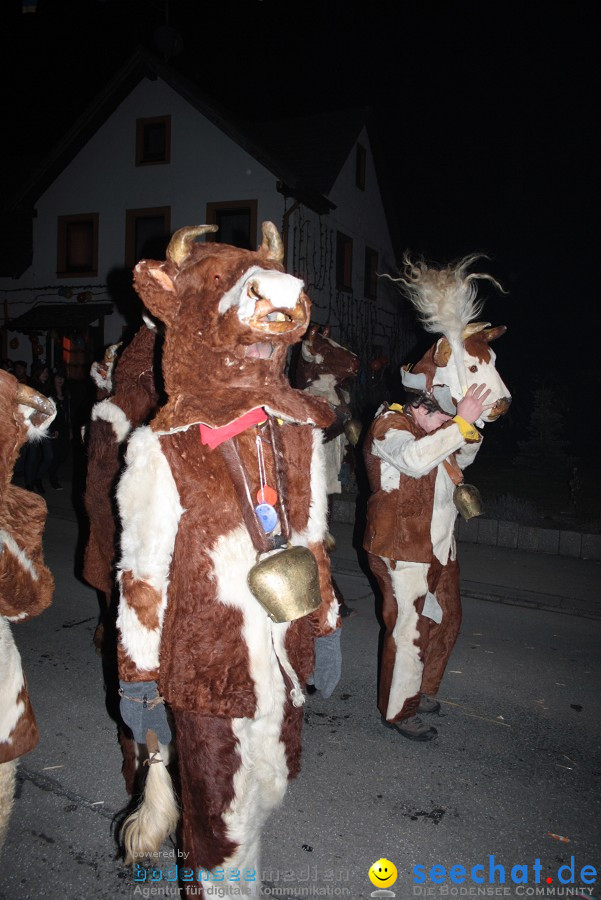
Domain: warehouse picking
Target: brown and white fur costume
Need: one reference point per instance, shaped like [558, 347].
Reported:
[26, 585]
[127, 398]
[325, 369]
[187, 619]
[411, 515]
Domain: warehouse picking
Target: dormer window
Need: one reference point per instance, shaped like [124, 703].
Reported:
[153, 141]
[360, 159]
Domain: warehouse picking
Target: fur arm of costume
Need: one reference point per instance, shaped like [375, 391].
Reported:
[467, 454]
[417, 456]
[26, 585]
[150, 511]
[325, 620]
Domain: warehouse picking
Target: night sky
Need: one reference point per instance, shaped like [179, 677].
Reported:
[485, 111]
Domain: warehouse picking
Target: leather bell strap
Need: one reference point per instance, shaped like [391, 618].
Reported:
[453, 470]
[241, 482]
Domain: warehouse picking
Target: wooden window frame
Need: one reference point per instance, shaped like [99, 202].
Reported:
[214, 208]
[62, 255]
[141, 124]
[131, 217]
[343, 241]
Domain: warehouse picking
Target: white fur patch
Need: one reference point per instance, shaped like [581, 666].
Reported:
[444, 513]
[11, 679]
[36, 432]
[260, 782]
[150, 511]
[233, 556]
[114, 415]
[18, 618]
[280, 289]
[259, 787]
[324, 386]
[432, 608]
[417, 457]
[409, 581]
[486, 374]
[102, 380]
[8, 542]
[334, 451]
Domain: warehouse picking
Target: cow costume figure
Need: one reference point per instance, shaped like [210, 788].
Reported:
[415, 456]
[191, 633]
[26, 585]
[325, 369]
[127, 396]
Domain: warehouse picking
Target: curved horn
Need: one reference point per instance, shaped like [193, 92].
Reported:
[473, 328]
[182, 240]
[110, 354]
[44, 408]
[491, 334]
[442, 352]
[272, 242]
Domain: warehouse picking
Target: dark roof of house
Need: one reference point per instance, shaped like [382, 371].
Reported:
[59, 316]
[317, 146]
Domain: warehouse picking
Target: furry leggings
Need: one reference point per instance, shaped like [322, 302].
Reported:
[233, 774]
[416, 649]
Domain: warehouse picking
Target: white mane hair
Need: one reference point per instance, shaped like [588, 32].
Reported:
[445, 298]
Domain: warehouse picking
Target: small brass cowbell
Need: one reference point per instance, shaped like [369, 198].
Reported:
[468, 501]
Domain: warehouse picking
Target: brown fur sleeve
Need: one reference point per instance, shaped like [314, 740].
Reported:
[319, 619]
[26, 585]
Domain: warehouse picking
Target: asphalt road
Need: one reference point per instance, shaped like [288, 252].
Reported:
[514, 772]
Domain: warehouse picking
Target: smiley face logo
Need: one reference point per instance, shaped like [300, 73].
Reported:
[382, 873]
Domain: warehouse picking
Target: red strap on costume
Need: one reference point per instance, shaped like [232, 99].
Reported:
[212, 437]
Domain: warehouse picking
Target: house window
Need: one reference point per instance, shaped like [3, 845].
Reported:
[153, 141]
[370, 278]
[360, 158]
[344, 262]
[237, 222]
[77, 245]
[147, 234]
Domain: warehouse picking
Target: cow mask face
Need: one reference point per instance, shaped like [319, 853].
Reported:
[237, 304]
[320, 350]
[479, 361]
[230, 315]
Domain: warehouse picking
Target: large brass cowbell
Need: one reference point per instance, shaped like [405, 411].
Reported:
[286, 584]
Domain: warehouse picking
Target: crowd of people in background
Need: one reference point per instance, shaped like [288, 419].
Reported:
[41, 461]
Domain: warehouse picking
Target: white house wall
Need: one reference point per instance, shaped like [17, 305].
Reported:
[363, 324]
[206, 166]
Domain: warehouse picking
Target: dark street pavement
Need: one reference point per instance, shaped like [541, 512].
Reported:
[514, 772]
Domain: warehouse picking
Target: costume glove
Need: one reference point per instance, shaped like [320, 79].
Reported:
[328, 663]
[143, 708]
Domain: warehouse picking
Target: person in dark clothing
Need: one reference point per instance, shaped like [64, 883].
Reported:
[60, 430]
[38, 455]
